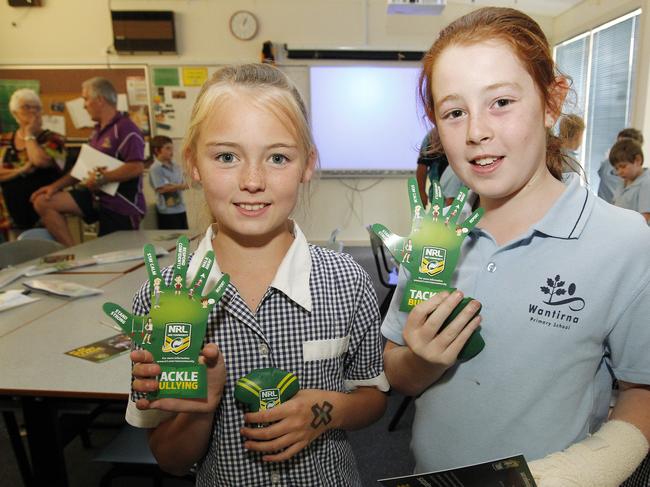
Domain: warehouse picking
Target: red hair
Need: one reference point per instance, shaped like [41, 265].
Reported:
[526, 39]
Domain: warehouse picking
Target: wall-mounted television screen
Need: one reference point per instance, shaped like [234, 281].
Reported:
[143, 31]
[367, 120]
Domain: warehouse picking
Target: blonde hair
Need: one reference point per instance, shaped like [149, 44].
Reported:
[267, 87]
[570, 126]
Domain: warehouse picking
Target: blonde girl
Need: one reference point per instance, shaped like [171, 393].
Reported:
[289, 304]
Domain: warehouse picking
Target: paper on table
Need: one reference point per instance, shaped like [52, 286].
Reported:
[78, 113]
[10, 274]
[14, 297]
[124, 255]
[90, 158]
[61, 288]
[45, 268]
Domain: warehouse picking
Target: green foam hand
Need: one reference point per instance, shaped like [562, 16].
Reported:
[175, 327]
[430, 252]
[264, 389]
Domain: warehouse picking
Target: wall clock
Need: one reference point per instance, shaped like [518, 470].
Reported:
[243, 25]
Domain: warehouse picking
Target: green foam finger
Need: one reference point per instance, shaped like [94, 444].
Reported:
[471, 222]
[456, 207]
[119, 315]
[417, 209]
[181, 262]
[414, 194]
[216, 294]
[196, 288]
[135, 326]
[437, 201]
[153, 270]
[394, 243]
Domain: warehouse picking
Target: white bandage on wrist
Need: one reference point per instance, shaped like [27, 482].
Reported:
[605, 459]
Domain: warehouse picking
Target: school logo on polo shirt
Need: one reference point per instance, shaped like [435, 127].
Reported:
[177, 337]
[433, 260]
[106, 143]
[559, 306]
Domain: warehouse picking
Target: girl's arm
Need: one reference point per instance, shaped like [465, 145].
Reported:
[633, 406]
[170, 188]
[183, 440]
[429, 352]
[609, 456]
[309, 414]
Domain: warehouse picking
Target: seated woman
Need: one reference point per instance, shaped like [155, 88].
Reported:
[34, 157]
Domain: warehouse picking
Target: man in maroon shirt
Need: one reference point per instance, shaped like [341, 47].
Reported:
[117, 136]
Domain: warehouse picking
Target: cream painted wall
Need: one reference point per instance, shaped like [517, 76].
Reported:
[79, 32]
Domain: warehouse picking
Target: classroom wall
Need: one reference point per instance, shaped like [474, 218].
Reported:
[79, 32]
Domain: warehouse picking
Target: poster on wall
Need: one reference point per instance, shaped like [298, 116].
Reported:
[173, 94]
[175, 88]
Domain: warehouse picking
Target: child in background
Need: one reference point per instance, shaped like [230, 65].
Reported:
[431, 164]
[290, 305]
[563, 277]
[626, 157]
[166, 179]
[571, 130]
[610, 183]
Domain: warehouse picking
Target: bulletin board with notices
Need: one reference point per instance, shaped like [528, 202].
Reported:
[173, 92]
[60, 91]
[175, 88]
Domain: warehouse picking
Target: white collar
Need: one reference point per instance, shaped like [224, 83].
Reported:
[292, 276]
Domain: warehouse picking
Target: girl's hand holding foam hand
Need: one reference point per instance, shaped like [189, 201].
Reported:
[145, 372]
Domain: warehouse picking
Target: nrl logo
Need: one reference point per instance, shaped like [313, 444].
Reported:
[177, 337]
[433, 260]
[269, 398]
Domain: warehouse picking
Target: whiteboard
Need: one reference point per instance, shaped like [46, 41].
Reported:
[367, 120]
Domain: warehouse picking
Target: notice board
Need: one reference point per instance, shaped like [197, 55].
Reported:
[60, 84]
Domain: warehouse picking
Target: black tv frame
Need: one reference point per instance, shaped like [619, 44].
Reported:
[132, 45]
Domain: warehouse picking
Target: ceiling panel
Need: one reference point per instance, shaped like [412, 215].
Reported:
[550, 8]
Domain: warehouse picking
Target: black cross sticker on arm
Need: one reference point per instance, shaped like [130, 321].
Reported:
[321, 414]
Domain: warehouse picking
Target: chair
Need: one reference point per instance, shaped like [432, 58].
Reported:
[19, 251]
[9, 408]
[388, 278]
[387, 273]
[36, 234]
[130, 455]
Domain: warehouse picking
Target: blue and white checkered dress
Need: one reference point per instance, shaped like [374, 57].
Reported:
[344, 304]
